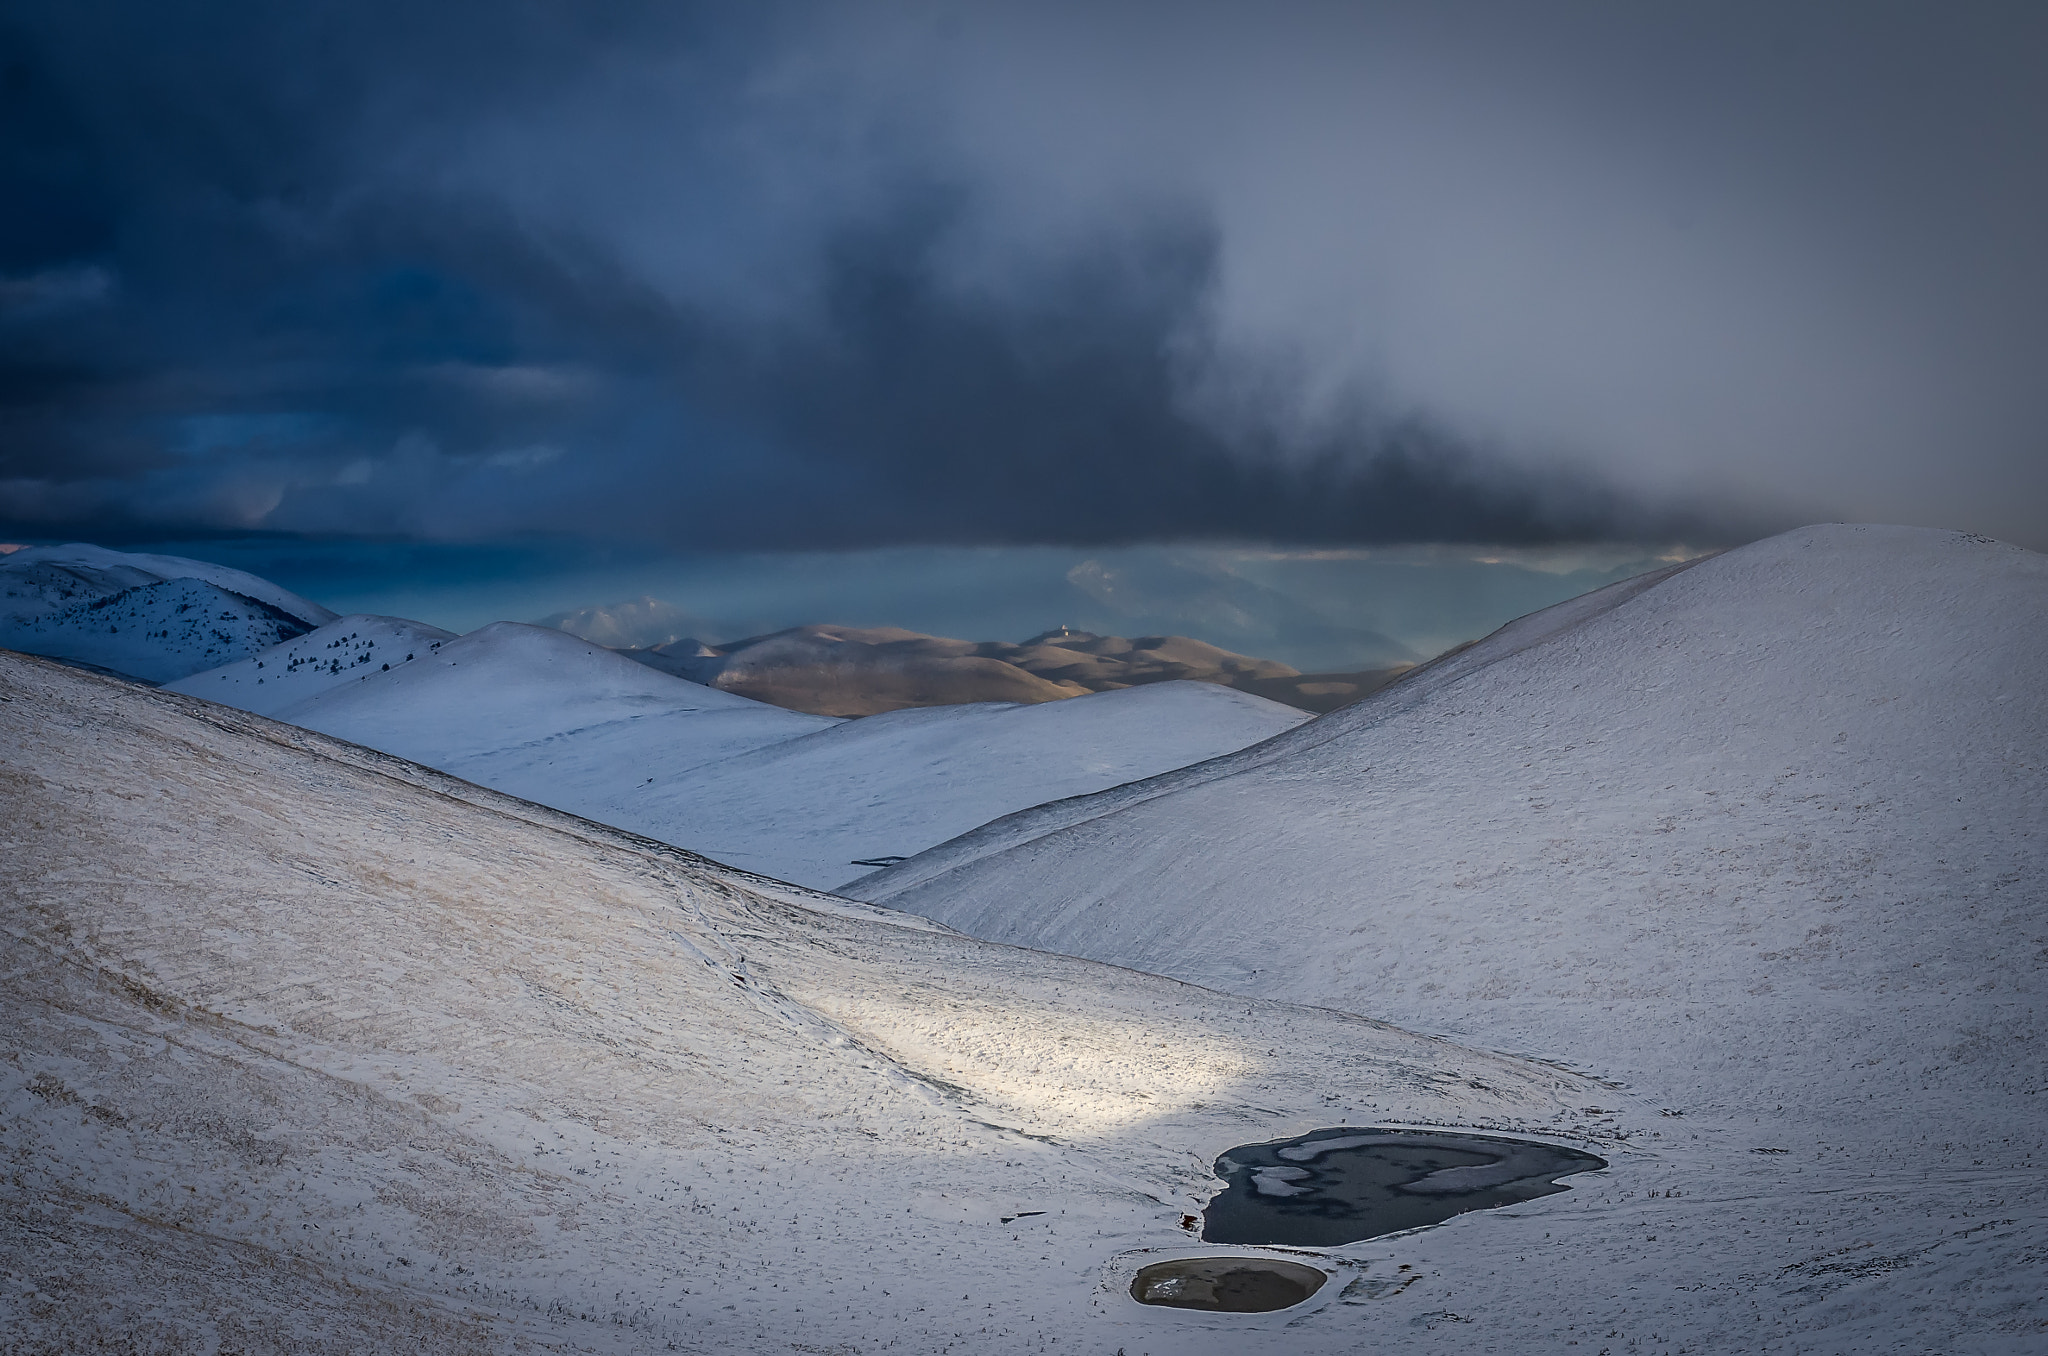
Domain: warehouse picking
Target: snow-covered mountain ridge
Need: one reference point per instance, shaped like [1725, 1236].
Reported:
[537, 713]
[38, 579]
[152, 617]
[810, 809]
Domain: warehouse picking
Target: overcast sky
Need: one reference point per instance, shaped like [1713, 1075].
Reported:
[778, 276]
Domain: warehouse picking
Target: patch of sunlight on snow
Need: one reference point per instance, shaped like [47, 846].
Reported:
[1063, 1071]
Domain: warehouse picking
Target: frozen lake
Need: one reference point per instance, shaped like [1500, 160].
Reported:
[1338, 1186]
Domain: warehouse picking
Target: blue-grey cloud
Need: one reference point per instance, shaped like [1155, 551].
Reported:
[845, 275]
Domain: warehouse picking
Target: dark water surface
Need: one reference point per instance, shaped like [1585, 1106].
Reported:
[1226, 1285]
[1338, 1186]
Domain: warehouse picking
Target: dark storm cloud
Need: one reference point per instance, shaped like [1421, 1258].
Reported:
[803, 275]
[1057, 418]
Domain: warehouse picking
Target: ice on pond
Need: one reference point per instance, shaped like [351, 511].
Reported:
[1279, 1181]
[1341, 1185]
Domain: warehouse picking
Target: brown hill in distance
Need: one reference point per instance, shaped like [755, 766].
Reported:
[862, 671]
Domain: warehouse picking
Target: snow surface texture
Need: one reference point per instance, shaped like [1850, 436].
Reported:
[544, 716]
[1762, 839]
[342, 652]
[308, 1049]
[153, 617]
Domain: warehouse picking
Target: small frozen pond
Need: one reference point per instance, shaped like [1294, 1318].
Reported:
[1229, 1285]
[1337, 1186]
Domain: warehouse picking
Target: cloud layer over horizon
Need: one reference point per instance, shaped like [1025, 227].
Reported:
[837, 276]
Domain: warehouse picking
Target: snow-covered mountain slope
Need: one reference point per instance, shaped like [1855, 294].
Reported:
[808, 809]
[539, 714]
[44, 578]
[1416, 686]
[307, 1049]
[342, 652]
[153, 617]
[1767, 840]
[154, 632]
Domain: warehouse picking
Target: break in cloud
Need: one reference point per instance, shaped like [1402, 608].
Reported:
[849, 274]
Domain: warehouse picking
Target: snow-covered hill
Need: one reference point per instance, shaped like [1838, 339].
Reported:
[532, 710]
[308, 1049]
[153, 617]
[61, 575]
[1765, 838]
[541, 715]
[345, 651]
[808, 809]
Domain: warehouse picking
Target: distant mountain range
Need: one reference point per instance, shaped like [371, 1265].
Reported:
[863, 671]
[1122, 593]
[163, 618]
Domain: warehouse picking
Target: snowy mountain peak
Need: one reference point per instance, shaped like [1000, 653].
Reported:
[152, 617]
[78, 571]
[154, 632]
